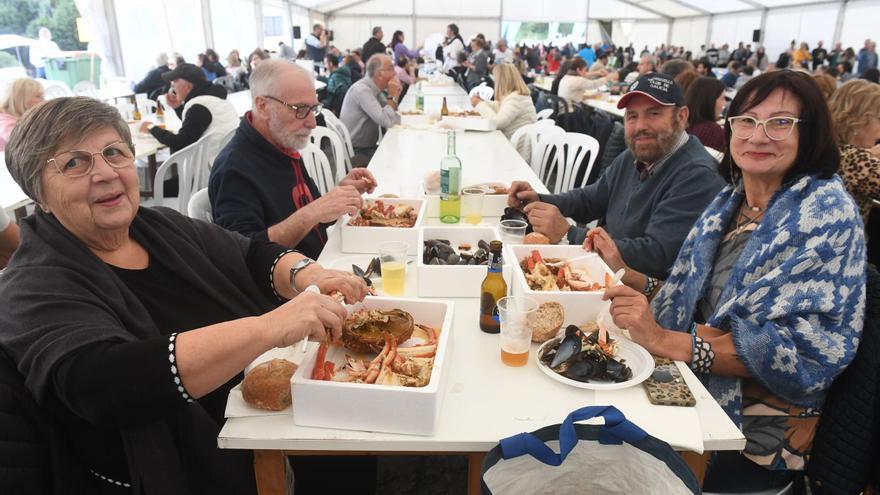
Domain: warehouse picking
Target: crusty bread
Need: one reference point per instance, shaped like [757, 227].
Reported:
[536, 238]
[267, 386]
[548, 320]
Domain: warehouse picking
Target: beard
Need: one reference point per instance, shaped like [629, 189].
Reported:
[296, 140]
[650, 152]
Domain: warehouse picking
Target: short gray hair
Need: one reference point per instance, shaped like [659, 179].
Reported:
[38, 136]
[162, 59]
[375, 64]
[268, 73]
[377, 29]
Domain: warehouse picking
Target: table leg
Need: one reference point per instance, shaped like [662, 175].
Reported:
[269, 468]
[698, 463]
[475, 472]
[152, 166]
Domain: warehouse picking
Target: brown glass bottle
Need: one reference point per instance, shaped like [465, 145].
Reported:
[444, 110]
[494, 288]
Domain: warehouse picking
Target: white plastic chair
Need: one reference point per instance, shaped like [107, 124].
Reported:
[147, 106]
[85, 88]
[544, 115]
[536, 135]
[187, 161]
[210, 146]
[568, 150]
[318, 167]
[484, 92]
[337, 126]
[199, 206]
[54, 89]
[318, 135]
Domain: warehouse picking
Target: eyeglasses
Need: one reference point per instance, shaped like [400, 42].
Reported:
[77, 163]
[775, 128]
[300, 111]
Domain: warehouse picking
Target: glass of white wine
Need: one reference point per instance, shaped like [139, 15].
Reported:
[392, 257]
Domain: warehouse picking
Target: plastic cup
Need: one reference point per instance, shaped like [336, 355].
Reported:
[392, 259]
[472, 204]
[516, 314]
[513, 231]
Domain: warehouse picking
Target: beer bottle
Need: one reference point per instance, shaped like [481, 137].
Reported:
[494, 288]
[160, 116]
[136, 115]
[444, 110]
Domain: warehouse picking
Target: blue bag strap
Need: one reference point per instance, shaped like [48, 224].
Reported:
[617, 429]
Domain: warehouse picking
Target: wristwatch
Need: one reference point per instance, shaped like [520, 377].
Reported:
[299, 265]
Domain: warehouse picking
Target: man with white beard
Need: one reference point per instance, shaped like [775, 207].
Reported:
[259, 186]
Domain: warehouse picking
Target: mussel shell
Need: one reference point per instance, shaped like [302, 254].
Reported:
[568, 348]
[483, 245]
[434, 261]
[511, 213]
[463, 261]
[617, 371]
[583, 371]
[453, 259]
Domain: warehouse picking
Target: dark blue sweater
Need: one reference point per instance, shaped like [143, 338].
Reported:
[251, 188]
[647, 219]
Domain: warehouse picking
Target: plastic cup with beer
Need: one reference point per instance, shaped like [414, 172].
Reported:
[472, 204]
[516, 314]
[513, 231]
[392, 258]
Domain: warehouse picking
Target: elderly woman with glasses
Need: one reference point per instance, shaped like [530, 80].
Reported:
[130, 325]
[766, 299]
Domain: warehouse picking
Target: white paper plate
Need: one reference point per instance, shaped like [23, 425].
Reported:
[635, 356]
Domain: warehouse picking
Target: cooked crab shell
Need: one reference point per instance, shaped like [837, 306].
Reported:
[364, 331]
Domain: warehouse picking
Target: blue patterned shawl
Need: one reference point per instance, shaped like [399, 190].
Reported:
[795, 301]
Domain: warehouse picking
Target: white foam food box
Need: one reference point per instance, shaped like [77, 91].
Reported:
[370, 407]
[579, 307]
[366, 240]
[471, 123]
[455, 280]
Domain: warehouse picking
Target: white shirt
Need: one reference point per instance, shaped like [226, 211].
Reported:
[505, 56]
[41, 50]
[572, 87]
[450, 54]
[312, 40]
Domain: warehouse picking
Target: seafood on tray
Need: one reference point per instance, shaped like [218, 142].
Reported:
[586, 354]
[464, 113]
[442, 252]
[371, 331]
[378, 213]
[556, 274]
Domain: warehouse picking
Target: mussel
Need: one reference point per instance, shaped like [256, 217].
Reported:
[577, 357]
[511, 213]
[441, 252]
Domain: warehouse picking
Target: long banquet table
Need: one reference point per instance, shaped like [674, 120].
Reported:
[484, 399]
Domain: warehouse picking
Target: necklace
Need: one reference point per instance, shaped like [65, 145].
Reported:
[741, 226]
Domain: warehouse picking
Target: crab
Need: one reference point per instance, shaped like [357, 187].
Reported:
[380, 214]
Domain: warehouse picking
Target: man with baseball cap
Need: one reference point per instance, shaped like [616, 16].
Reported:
[648, 198]
[200, 105]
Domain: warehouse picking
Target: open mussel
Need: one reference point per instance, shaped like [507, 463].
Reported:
[441, 252]
[578, 357]
[511, 213]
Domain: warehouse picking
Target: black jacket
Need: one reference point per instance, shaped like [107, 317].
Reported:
[250, 189]
[153, 85]
[372, 47]
[846, 449]
[198, 118]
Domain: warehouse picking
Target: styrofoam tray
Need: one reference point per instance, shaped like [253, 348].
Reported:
[468, 123]
[391, 409]
[579, 307]
[454, 280]
[493, 204]
[367, 239]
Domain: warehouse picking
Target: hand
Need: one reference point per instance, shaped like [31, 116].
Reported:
[475, 100]
[362, 180]
[172, 99]
[316, 316]
[328, 281]
[145, 127]
[631, 310]
[337, 202]
[394, 87]
[875, 150]
[521, 193]
[546, 219]
[600, 241]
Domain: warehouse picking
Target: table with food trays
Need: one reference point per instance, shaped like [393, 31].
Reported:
[482, 400]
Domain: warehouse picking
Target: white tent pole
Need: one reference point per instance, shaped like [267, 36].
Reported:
[500, 16]
[414, 40]
[763, 27]
[709, 31]
[113, 25]
[838, 26]
[587, 28]
[258, 12]
[206, 23]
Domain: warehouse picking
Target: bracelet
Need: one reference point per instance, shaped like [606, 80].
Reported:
[702, 355]
[651, 283]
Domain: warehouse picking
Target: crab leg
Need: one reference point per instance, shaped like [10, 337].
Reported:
[319, 372]
[376, 363]
[418, 351]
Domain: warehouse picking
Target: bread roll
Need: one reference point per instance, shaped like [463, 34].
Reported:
[267, 386]
[536, 238]
[548, 320]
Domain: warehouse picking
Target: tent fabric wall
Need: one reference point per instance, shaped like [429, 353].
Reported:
[859, 23]
[809, 23]
[690, 33]
[237, 31]
[733, 28]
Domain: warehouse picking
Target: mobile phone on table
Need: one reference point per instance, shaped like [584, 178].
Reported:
[666, 386]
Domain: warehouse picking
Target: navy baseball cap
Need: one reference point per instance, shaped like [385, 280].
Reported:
[188, 72]
[658, 87]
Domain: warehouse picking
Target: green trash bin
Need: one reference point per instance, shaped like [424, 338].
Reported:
[71, 70]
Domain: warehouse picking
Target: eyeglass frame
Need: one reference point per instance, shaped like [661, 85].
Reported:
[763, 124]
[313, 109]
[92, 157]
